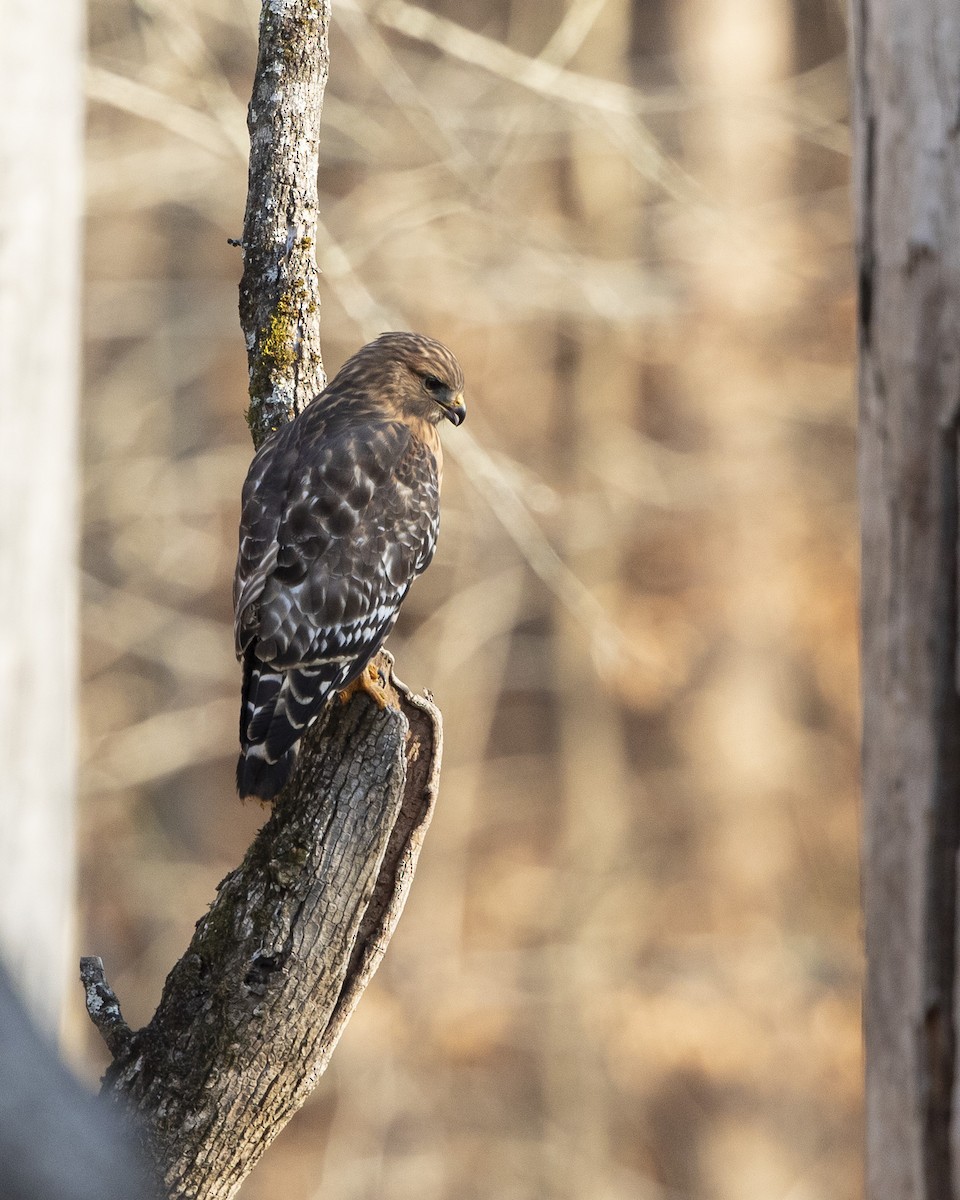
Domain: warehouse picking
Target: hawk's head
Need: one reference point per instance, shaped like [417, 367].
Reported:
[413, 374]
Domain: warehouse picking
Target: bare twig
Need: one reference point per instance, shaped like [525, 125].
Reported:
[103, 1007]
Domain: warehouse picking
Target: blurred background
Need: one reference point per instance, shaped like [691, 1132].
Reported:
[630, 965]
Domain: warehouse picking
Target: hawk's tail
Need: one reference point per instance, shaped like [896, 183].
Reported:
[260, 773]
[276, 708]
[258, 777]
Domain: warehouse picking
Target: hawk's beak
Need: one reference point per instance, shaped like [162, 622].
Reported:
[456, 410]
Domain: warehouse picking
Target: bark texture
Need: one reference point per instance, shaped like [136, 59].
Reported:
[252, 1012]
[41, 146]
[907, 91]
[279, 295]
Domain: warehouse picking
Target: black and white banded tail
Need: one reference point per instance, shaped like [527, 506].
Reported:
[276, 709]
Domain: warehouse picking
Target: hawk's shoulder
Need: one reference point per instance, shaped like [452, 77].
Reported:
[340, 513]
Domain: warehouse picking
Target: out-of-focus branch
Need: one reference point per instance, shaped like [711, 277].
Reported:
[250, 1015]
[541, 74]
[620, 107]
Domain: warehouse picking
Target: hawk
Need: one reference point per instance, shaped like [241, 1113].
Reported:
[339, 515]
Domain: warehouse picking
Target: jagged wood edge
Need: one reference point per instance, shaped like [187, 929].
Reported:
[252, 1012]
[424, 755]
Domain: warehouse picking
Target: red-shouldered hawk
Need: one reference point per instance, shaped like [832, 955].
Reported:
[340, 513]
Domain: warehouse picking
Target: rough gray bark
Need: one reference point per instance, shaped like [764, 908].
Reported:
[41, 147]
[907, 91]
[279, 296]
[252, 1012]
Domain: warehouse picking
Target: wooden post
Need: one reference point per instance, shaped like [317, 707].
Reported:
[907, 177]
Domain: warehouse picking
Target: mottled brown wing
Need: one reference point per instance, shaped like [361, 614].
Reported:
[262, 506]
[335, 527]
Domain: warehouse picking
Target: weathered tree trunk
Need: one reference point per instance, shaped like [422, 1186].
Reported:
[251, 1014]
[41, 143]
[907, 90]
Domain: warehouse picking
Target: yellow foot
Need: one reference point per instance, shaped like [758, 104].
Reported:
[371, 681]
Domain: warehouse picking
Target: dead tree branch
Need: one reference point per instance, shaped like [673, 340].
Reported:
[250, 1015]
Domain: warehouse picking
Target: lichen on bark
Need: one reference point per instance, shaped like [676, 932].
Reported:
[279, 290]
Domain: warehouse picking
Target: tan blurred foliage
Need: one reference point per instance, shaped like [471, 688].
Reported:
[630, 966]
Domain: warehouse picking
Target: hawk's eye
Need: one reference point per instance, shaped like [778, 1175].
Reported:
[433, 384]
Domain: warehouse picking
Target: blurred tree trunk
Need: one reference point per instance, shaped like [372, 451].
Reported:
[907, 172]
[40, 204]
[595, 189]
[56, 1142]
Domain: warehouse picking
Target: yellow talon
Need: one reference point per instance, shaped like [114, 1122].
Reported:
[374, 684]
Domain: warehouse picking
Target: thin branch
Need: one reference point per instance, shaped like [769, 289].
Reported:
[103, 1007]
